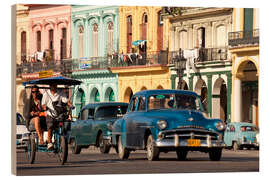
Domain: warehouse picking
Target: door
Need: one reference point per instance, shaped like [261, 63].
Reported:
[85, 127]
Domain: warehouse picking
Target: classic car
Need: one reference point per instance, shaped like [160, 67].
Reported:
[21, 132]
[94, 126]
[239, 135]
[167, 120]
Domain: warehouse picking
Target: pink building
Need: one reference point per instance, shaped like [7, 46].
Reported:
[50, 31]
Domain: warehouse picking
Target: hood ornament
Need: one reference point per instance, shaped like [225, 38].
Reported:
[190, 119]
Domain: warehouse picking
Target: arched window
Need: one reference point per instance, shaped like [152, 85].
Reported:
[110, 38]
[51, 39]
[183, 40]
[129, 33]
[23, 47]
[144, 27]
[38, 41]
[221, 36]
[63, 44]
[97, 97]
[159, 31]
[95, 40]
[201, 37]
[81, 42]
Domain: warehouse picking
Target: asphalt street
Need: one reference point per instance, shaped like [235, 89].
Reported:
[90, 162]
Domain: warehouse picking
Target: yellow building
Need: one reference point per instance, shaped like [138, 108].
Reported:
[244, 48]
[141, 33]
[22, 49]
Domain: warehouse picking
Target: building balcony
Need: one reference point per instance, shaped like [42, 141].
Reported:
[244, 38]
[131, 60]
[64, 67]
[177, 58]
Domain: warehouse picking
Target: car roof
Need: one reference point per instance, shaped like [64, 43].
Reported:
[100, 104]
[165, 91]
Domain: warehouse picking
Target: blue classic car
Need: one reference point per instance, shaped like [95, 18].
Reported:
[167, 120]
[94, 126]
[240, 134]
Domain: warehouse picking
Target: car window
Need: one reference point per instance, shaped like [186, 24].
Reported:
[84, 114]
[110, 112]
[20, 120]
[134, 103]
[230, 128]
[248, 128]
[160, 101]
[141, 106]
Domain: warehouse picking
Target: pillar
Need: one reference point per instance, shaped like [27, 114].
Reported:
[209, 94]
[237, 100]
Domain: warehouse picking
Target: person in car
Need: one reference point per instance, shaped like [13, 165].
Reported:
[35, 113]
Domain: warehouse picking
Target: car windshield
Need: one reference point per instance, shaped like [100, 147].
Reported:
[20, 120]
[174, 101]
[111, 112]
[248, 128]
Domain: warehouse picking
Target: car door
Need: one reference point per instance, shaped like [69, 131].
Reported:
[85, 127]
[229, 135]
[135, 124]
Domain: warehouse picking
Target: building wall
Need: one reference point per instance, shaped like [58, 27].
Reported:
[86, 16]
[45, 17]
[22, 24]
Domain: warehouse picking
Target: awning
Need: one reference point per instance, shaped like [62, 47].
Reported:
[60, 80]
[138, 42]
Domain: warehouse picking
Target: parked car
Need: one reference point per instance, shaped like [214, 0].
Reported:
[167, 120]
[21, 132]
[241, 134]
[94, 126]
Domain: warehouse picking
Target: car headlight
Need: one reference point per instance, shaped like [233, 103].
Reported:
[220, 126]
[162, 124]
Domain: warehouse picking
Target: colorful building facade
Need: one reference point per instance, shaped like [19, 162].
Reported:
[94, 41]
[140, 36]
[202, 34]
[244, 47]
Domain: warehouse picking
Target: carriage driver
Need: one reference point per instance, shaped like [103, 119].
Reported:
[49, 97]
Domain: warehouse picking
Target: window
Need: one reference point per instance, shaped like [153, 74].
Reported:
[51, 39]
[183, 39]
[23, 46]
[129, 33]
[110, 112]
[110, 38]
[141, 106]
[38, 41]
[201, 37]
[63, 45]
[81, 42]
[84, 114]
[134, 103]
[95, 40]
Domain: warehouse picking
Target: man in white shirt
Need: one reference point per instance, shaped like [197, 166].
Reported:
[48, 98]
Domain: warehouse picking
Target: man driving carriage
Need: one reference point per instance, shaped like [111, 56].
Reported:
[50, 98]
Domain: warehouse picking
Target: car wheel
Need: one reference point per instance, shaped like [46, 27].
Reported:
[235, 146]
[215, 154]
[123, 152]
[181, 154]
[152, 150]
[103, 146]
[75, 149]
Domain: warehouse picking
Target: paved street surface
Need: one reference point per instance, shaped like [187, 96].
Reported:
[90, 161]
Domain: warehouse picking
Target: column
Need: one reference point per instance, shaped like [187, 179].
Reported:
[172, 35]
[229, 94]
[191, 82]
[209, 94]
[237, 100]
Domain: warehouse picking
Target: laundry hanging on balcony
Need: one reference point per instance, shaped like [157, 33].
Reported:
[139, 42]
[191, 55]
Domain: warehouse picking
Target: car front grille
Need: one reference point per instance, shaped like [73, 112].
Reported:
[190, 133]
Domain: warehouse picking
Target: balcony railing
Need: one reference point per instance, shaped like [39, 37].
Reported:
[121, 60]
[63, 66]
[244, 37]
[205, 54]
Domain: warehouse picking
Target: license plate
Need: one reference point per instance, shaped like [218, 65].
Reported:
[194, 142]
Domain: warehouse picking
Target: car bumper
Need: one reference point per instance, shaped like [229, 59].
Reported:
[176, 142]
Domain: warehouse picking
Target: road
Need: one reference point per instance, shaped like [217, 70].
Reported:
[91, 162]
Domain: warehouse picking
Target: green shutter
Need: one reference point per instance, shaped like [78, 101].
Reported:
[97, 98]
[111, 97]
[248, 19]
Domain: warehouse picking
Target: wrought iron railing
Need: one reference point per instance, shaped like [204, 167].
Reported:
[205, 54]
[244, 37]
[121, 60]
[63, 66]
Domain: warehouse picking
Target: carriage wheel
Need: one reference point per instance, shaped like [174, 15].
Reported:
[31, 150]
[63, 150]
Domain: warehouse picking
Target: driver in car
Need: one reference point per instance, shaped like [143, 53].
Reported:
[50, 96]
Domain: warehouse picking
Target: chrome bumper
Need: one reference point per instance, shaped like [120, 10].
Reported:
[176, 142]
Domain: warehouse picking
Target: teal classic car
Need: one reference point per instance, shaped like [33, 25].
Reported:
[94, 126]
[167, 120]
[239, 135]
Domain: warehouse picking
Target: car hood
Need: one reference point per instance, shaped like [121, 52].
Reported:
[184, 119]
[21, 129]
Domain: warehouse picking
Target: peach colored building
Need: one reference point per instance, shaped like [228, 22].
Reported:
[50, 29]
